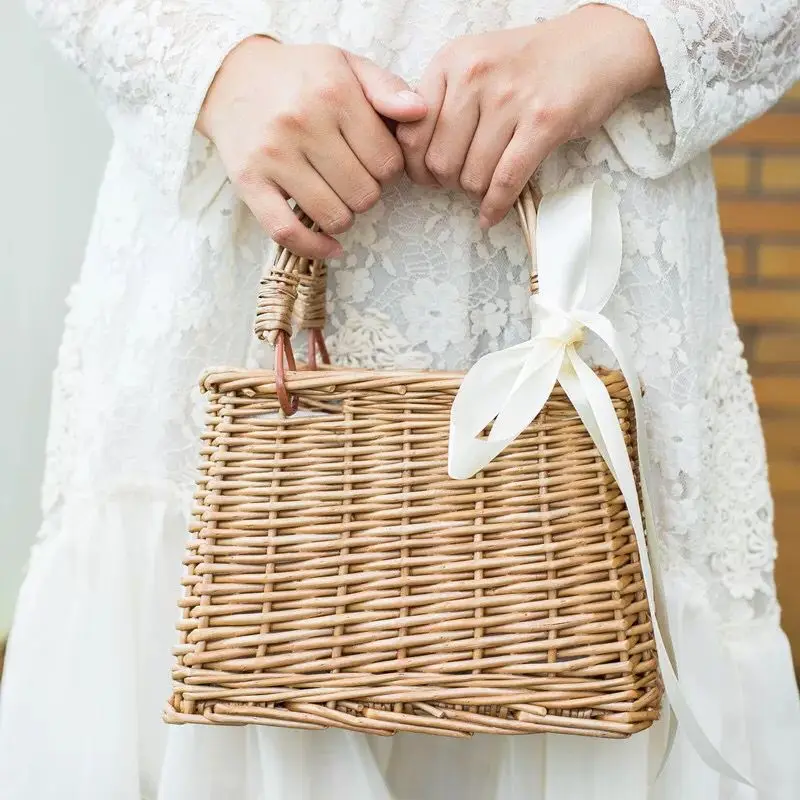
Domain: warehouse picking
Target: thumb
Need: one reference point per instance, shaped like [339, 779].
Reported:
[388, 93]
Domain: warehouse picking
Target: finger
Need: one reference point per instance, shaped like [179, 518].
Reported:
[455, 128]
[371, 141]
[488, 145]
[345, 174]
[387, 93]
[303, 183]
[279, 221]
[414, 138]
[524, 153]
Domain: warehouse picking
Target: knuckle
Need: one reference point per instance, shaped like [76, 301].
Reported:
[408, 136]
[508, 177]
[390, 165]
[496, 205]
[292, 120]
[366, 200]
[473, 183]
[273, 151]
[541, 114]
[438, 164]
[477, 68]
[247, 176]
[490, 208]
[550, 116]
[283, 234]
[511, 173]
[504, 96]
[333, 91]
[337, 222]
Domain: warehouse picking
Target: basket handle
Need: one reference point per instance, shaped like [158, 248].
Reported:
[293, 288]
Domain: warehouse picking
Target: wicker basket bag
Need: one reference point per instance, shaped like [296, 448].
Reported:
[338, 577]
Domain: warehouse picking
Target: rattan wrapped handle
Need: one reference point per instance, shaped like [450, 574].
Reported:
[293, 288]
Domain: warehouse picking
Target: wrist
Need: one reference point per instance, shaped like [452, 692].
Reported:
[219, 91]
[630, 45]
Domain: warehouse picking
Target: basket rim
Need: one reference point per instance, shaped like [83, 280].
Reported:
[263, 381]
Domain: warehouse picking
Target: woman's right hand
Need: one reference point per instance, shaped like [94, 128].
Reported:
[304, 121]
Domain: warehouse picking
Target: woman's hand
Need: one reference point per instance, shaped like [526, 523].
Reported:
[305, 122]
[500, 102]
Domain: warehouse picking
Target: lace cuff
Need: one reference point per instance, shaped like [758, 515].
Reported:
[164, 141]
[725, 63]
[150, 65]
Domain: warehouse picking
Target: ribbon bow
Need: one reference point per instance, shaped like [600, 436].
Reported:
[579, 253]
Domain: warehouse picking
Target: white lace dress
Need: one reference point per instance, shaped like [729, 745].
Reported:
[167, 290]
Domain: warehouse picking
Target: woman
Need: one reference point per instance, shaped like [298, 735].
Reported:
[633, 94]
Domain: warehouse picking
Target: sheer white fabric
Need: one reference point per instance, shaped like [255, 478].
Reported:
[167, 290]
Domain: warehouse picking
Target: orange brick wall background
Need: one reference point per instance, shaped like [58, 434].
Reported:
[758, 176]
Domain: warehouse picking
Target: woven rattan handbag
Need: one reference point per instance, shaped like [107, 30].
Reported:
[338, 577]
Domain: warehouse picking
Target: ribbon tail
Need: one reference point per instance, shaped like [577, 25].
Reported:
[485, 387]
[593, 401]
[507, 389]
[601, 326]
[529, 394]
[571, 384]
[672, 733]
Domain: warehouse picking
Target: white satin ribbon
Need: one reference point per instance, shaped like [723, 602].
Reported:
[579, 253]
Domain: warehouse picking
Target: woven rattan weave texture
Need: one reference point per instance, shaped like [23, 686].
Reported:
[337, 577]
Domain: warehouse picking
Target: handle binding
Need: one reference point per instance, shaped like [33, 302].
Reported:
[293, 288]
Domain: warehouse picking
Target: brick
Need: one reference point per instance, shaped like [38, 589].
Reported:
[732, 172]
[777, 348]
[743, 217]
[779, 260]
[782, 434]
[771, 129]
[736, 256]
[787, 523]
[778, 393]
[753, 306]
[780, 173]
[793, 93]
[787, 568]
[784, 477]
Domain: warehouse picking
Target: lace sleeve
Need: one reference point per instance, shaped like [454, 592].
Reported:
[150, 63]
[725, 61]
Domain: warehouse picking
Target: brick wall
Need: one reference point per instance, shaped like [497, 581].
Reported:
[758, 176]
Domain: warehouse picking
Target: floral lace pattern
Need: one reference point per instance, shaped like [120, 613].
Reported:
[167, 289]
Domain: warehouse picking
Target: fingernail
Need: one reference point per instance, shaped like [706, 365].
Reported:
[410, 97]
[484, 222]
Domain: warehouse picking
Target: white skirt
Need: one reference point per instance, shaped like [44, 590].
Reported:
[87, 678]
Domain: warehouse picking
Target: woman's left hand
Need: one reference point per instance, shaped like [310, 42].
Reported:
[500, 102]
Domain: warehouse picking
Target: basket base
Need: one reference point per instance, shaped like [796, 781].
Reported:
[452, 721]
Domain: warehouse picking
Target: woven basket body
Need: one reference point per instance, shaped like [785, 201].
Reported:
[337, 577]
